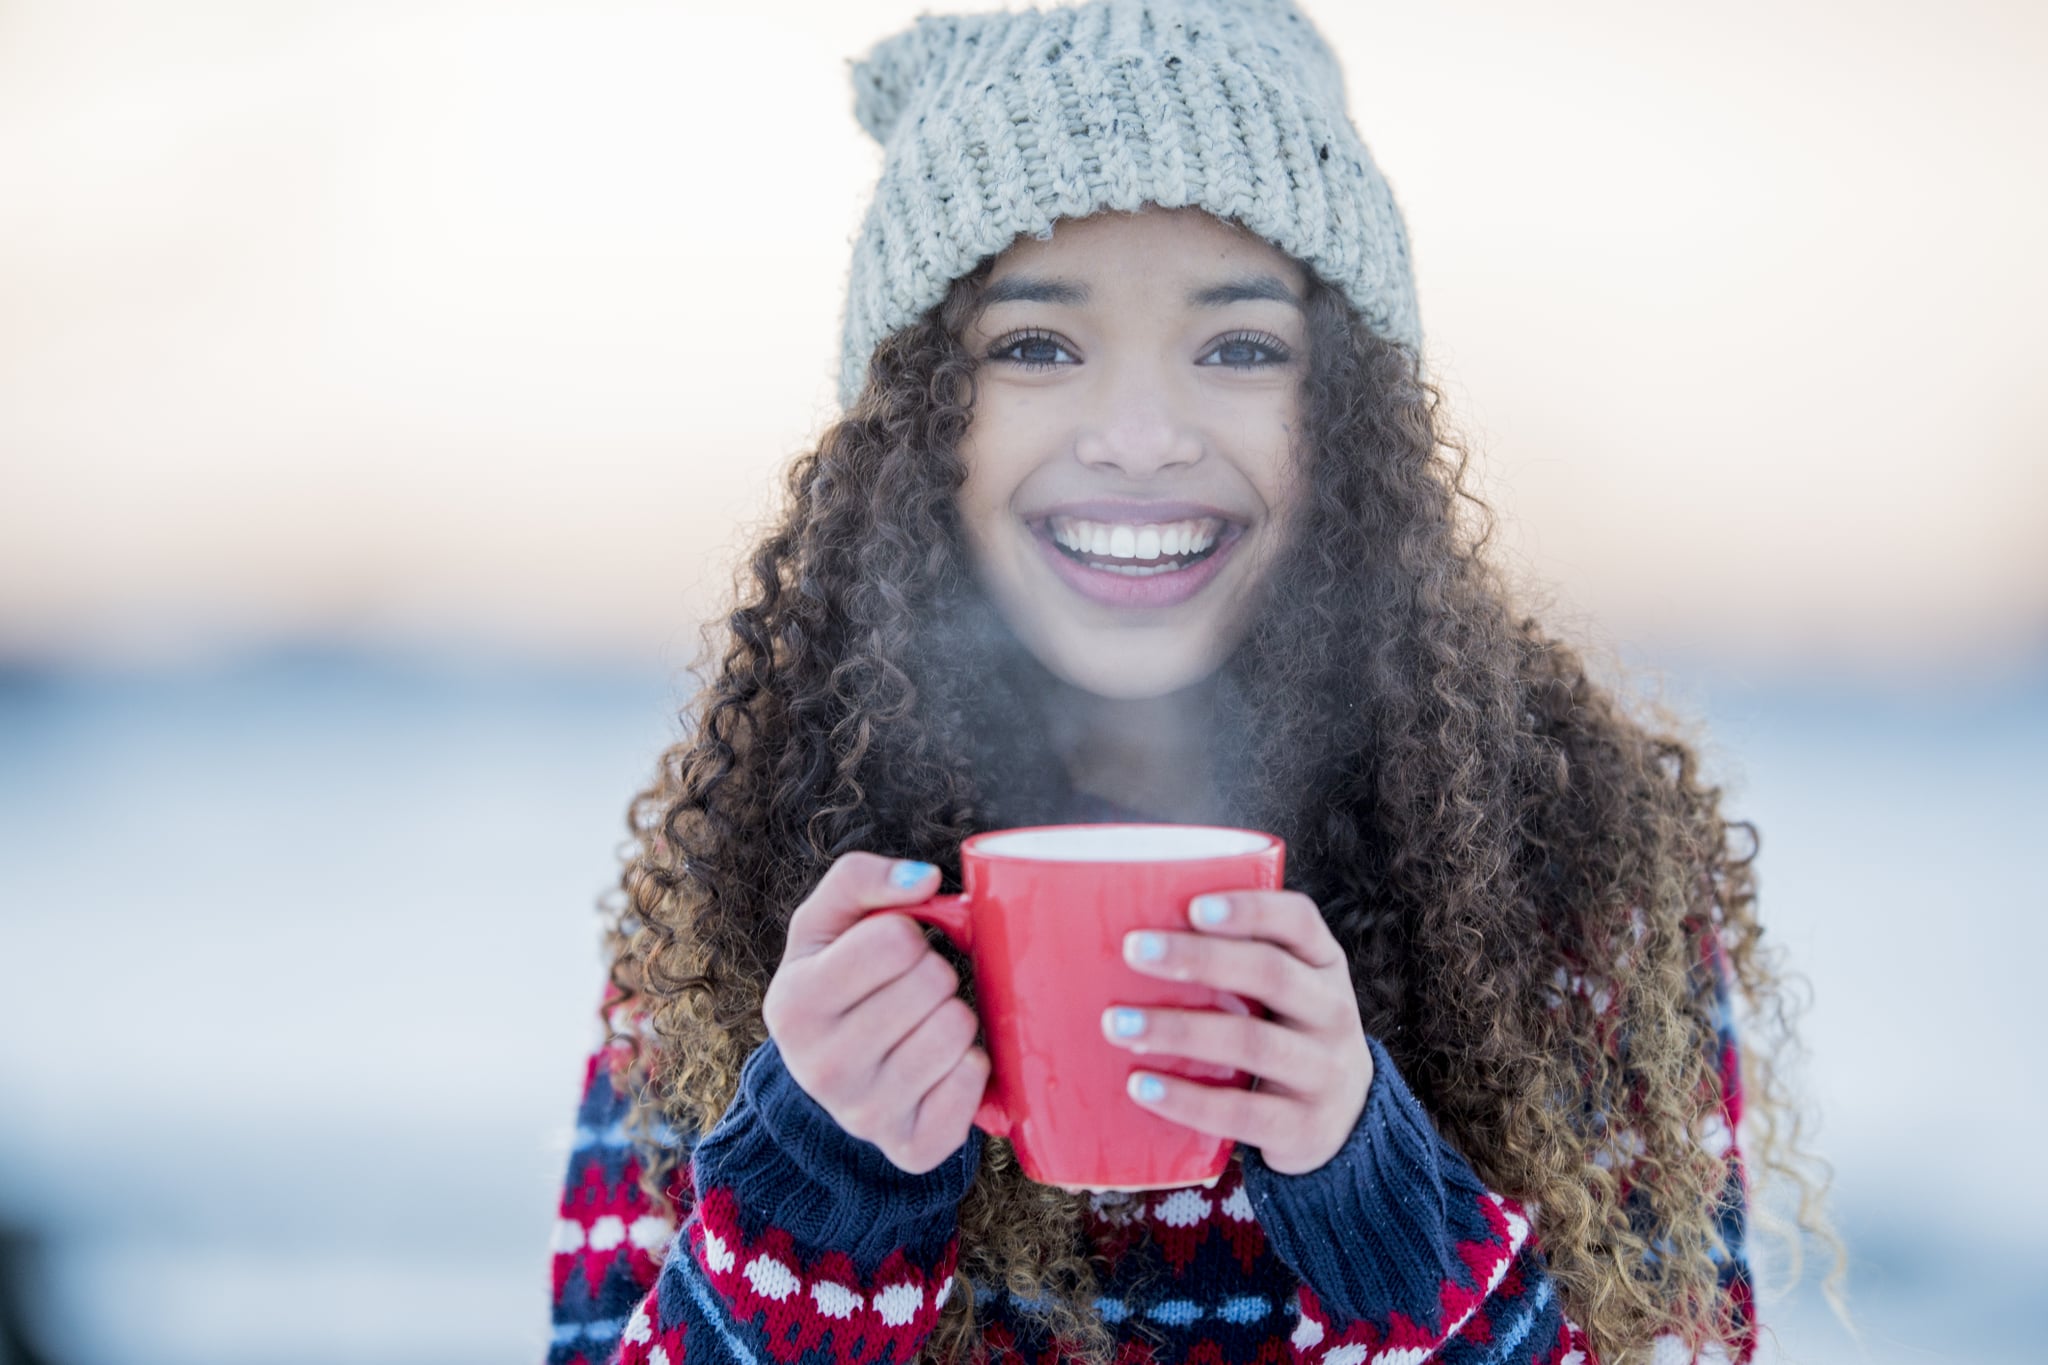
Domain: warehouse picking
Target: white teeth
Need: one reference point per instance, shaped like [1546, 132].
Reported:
[1129, 540]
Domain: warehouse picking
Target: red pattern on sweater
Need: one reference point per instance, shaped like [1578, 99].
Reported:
[1179, 1222]
[609, 1214]
[803, 1305]
[644, 1343]
[1490, 1263]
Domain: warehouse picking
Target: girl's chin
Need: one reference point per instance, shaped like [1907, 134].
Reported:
[1137, 678]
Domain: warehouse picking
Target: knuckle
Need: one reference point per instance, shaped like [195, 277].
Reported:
[848, 873]
[902, 931]
[1246, 1119]
[891, 942]
[1224, 1107]
[1335, 1005]
[1178, 1030]
[853, 865]
[927, 1041]
[782, 1005]
[830, 882]
[1255, 1046]
[1272, 976]
[1194, 1103]
[936, 973]
[1248, 1123]
[957, 1024]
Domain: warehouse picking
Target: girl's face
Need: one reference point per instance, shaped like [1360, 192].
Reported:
[1130, 469]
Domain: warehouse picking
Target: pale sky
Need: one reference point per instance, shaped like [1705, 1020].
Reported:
[474, 323]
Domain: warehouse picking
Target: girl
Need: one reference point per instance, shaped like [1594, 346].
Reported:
[1139, 509]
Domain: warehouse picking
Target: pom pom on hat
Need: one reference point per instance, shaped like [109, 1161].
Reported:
[996, 125]
[884, 79]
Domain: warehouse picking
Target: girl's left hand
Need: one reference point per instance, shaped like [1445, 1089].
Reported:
[1310, 1057]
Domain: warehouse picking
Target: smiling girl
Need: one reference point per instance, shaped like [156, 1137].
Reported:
[1141, 509]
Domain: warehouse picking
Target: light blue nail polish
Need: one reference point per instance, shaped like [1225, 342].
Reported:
[1126, 1023]
[1145, 947]
[907, 874]
[1147, 1087]
[1209, 911]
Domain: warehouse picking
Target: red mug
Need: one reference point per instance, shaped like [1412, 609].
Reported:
[1043, 919]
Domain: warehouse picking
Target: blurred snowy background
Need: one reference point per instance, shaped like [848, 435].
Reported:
[384, 390]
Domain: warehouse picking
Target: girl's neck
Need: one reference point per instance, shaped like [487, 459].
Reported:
[1149, 754]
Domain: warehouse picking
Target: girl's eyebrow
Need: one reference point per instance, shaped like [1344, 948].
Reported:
[1034, 289]
[1049, 289]
[1242, 288]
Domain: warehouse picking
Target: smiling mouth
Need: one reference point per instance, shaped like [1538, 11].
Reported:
[1137, 551]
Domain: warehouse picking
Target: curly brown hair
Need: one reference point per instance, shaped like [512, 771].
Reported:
[1478, 819]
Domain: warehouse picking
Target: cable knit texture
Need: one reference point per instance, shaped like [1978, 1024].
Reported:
[804, 1175]
[996, 125]
[1396, 1222]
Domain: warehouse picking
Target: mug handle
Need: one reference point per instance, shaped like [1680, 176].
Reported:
[949, 915]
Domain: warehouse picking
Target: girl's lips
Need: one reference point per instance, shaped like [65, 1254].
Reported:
[1125, 590]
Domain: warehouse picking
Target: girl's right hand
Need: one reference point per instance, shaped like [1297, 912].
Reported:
[868, 1018]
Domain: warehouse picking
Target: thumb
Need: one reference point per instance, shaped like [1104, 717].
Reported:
[855, 884]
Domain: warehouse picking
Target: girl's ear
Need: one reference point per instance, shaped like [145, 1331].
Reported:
[885, 79]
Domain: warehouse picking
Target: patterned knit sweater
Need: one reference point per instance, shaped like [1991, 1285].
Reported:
[801, 1245]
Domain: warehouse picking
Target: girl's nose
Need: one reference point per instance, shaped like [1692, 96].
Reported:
[1137, 432]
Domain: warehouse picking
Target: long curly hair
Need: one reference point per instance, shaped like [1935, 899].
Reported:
[1531, 883]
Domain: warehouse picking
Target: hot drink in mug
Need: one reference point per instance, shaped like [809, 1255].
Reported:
[1043, 917]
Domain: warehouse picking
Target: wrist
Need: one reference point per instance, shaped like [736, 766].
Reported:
[788, 1162]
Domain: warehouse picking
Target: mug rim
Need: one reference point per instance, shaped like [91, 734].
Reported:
[972, 843]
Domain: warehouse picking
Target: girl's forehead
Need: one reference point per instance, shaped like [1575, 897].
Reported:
[1123, 265]
[1182, 236]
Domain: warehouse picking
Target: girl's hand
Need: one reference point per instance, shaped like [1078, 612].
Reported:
[1312, 1064]
[869, 1019]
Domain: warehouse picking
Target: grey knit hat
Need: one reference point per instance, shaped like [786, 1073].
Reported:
[995, 125]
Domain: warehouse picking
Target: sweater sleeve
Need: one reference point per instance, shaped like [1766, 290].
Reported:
[609, 1237]
[1406, 1256]
[800, 1244]
[1403, 1253]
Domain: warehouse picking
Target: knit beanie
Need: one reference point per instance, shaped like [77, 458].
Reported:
[995, 125]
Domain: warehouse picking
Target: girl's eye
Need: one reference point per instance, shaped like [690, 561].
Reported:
[1244, 351]
[1043, 351]
[1031, 350]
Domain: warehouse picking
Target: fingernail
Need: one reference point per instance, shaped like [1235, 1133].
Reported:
[1145, 947]
[1125, 1023]
[1147, 1088]
[1209, 910]
[907, 874]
